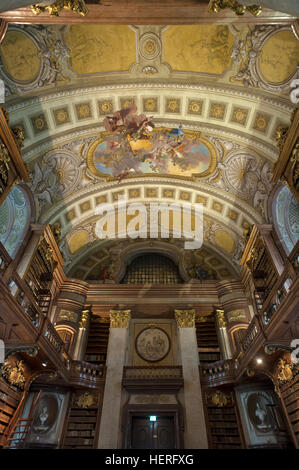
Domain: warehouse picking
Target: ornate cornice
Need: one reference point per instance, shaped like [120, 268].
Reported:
[282, 103]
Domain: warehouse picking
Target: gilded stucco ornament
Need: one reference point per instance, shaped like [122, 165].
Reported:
[185, 318]
[77, 6]
[43, 64]
[217, 5]
[56, 229]
[14, 374]
[86, 400]
[84, 318]
[4, 165]
[258, 54]
[280, 136]
[219, 399]
[219, 313]
[120, 318]
[286, 371]
[295, 167]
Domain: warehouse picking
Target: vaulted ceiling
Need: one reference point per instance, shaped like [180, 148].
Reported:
[228, 86]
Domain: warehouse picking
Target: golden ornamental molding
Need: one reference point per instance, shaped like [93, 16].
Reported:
[219, 313]
[85, 400]
[14, 374]
[77, 6]
[120, 318]
[85, 315]
[185, 318]
[286, 371]
[219, 399]
[217, 5]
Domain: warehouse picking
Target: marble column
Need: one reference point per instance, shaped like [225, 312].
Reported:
[195, 436]
[116, 355]
[82, 336]
[224, 343]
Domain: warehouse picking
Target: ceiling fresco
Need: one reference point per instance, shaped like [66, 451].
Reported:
[204, 104]
[132, 145]
[91, 48]
[207, 49]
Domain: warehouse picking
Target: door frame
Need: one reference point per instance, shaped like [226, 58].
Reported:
[174, 411]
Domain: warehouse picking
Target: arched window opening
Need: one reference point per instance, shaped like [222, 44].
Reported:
[285, 212]
[152, 268]
[67, 337]
[238, 335]
[14, 220]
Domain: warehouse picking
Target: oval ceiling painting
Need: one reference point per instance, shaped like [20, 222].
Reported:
[132, 145]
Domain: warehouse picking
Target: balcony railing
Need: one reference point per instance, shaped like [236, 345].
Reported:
[87, 374]
[218, 373]
[250, 335]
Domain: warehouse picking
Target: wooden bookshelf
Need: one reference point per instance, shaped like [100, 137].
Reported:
[9, 400]
[96, 351]
[207, 341]
[223, 424]
[80, 428]
[290, 394]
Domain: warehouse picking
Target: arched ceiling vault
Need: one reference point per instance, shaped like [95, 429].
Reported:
[228, 86]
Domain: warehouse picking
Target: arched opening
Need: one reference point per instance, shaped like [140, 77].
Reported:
[152, 268]
[15, 214]
[67, 336]
[285, 214]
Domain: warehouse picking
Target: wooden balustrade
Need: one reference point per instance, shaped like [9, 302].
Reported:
[87, 374]
[218, 373]
[294, 258]
[287, 166]
[53, 337]
[261, 263]
[5, 259]
[250, 335]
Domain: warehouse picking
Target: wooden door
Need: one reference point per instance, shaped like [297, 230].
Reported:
[157, 434]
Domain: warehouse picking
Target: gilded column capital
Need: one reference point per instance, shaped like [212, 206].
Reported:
[185, 318]
[85, 314]
[120, 318]
[219, 313]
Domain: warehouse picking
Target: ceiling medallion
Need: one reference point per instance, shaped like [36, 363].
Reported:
[149, 46]
[152, 344]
